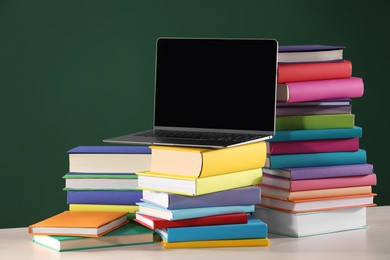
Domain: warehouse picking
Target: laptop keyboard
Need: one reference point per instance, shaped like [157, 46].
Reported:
[200, 135]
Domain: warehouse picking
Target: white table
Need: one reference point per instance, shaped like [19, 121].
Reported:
[368, 244]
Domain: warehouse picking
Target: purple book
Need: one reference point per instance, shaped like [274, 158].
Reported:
[239, 196]
[320, 172]
[114, 197]
[111, 149]
[313, 110]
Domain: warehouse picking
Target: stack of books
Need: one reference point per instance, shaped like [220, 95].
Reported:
[102, 193]
[199, 197]
[316, 178]
[102, 178]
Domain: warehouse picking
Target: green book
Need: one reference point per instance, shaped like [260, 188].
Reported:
[130, 234]
[306, 122]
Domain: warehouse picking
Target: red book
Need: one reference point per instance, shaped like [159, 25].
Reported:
[314, 146]
[158, 223]
[294, 72]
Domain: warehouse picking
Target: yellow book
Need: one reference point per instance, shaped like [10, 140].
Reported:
[217, 243]
[197, 186]
[103, 207]
[199, 162]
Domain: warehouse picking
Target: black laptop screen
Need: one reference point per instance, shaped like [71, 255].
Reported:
[216, 83]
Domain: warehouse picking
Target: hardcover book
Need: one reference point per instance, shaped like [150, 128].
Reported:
[109, 159]
[254, 228]
[238, 196]
[217, 243]
[114, 197]
[100, 181]
[103, 207]
[310, 53]
[313, 110]
[309, 122]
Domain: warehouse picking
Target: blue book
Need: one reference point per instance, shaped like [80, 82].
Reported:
[314, 159]
[296, 135]
[114, 197]
[254, 228]
[176, 214]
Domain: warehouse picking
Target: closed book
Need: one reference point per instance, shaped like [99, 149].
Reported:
[303, 91]
[293, 72]
[198, 186]
[312, 223]
[314, 146]
[100, 181]
[254, 228]
[279, 161]
[316, 184]
[326, 102]
[130, 234]
[313, 110]
[109, 159]
[316, 134]
[114, 197]
[310, 53]
[316, 204]
[217, 243]
[103, 207]
[237, 196]
[308, 122]
[205, 162]
[311, 194]
[176, 214]
[79, 223]
[318, 172]
[158, 223]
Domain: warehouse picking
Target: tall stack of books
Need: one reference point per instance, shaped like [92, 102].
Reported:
[102, 178]
[316, 178]
[199, 197]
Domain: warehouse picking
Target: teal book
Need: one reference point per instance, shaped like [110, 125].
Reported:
[254, 228]
[315, 159]
[186, 213]
[316, 134]
[130, 234]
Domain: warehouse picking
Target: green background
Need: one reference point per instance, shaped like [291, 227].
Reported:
[75, 72]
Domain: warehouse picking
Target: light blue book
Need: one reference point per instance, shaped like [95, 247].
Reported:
[186, 213]
[317, 134]
[315, 159]
[254, 228]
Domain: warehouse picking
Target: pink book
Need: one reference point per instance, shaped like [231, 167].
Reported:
[304, 91]
[314, 146]
[318, 184]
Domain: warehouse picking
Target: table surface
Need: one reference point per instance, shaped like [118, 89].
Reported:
[367, 244]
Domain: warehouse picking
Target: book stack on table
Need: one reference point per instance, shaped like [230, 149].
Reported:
[316, 177]
[199, 197]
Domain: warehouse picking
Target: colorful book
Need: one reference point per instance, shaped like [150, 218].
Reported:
[79, 223]
[103, 207]
[109, 159]
[319, 172]
[113, 197]
[327, 102]
[310, 53]
[293, 72]
[198, 186]
[217, 243]
[177, 214]
[130, 234]
[100, 181]
[280, 161]
[316, 204]
[313, 110]
[314, 146]
[254, 228]
[159, 223]
[316, 184]
[199, 162]
[316, 134]
[311, 194]
[238, 196]
[309, 122]
[312, 223]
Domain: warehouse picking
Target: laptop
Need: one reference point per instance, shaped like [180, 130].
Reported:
[211, 92]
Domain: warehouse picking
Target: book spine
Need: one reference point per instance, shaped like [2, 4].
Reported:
[210, 211]
[313, 110]
[294, 72]
[315, 122]
[104, 197]
[314, 146]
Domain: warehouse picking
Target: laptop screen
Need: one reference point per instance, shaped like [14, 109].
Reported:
[216, 83]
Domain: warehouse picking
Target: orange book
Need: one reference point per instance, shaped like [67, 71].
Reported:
[79, 223]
